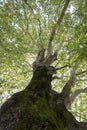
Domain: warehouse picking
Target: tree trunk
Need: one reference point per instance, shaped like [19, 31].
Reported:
[38, 107]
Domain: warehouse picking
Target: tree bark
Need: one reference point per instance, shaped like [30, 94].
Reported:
[38, 107]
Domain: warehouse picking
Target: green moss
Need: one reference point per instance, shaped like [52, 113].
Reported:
[36, 116]
[40, 115]
[36, 112]
[63, 115]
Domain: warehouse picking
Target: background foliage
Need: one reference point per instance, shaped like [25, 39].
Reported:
[25, 26]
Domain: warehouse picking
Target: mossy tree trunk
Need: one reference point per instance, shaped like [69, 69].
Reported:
[38, 107]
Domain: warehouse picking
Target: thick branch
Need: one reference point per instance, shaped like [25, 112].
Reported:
[39, 59]
[67, 88]
[76, 93]
[49, 60]
[52, 57]
[53, 32]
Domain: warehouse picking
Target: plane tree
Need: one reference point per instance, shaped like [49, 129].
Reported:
[56, 32]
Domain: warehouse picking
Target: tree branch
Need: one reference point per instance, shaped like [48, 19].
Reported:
[67, 88]
[53, 32]
[39, 22]
[52, 57]
[69, 84]
[60, 45]
[39, 59]
[76, 93]
[63, 67]
[28, 33]
[83, 72]
[29, 6]
[40, 28]
[66, 92]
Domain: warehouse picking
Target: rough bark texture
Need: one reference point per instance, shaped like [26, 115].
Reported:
[38, 107]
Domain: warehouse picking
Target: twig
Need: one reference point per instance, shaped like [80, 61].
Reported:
[27, 32]
[63, 67]
[40, 29]
[27, 20]
[29, 6]
[83, 72]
